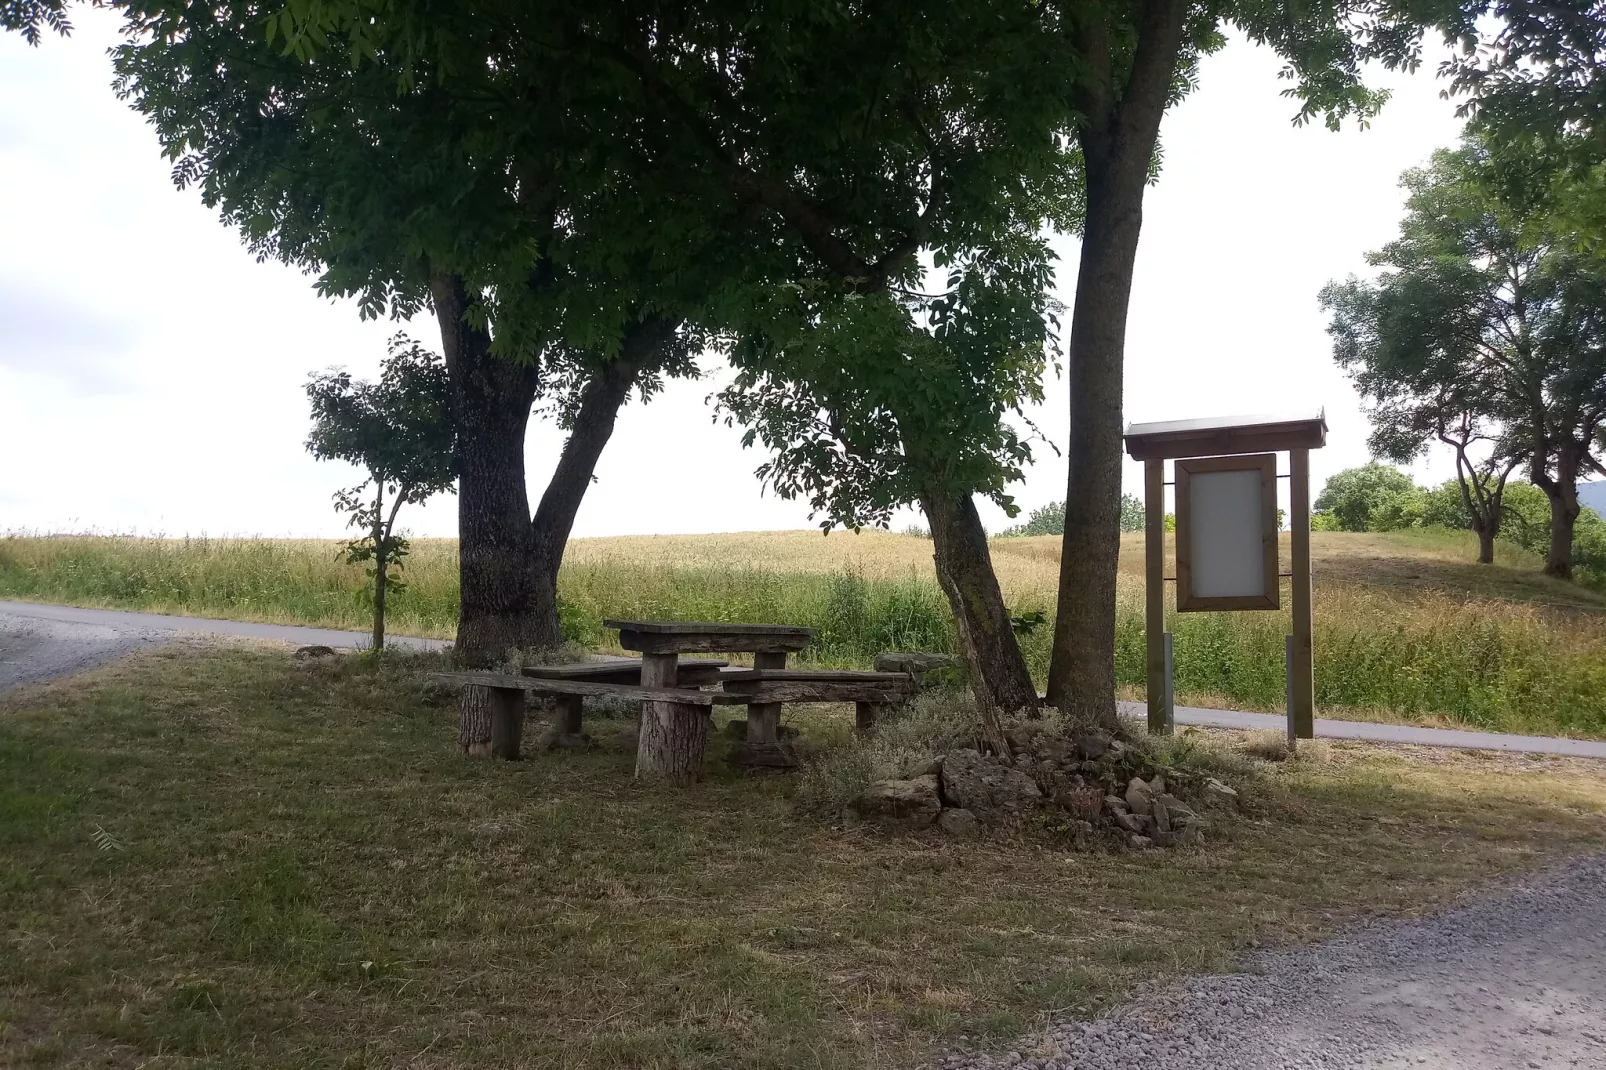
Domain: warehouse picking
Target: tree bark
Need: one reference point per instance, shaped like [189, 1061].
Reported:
[380, 578]
[1485, 546]
[645, 344]
[965, 570]
[1562, 491]
[1118, 140]
[491, 400]
[474, 722]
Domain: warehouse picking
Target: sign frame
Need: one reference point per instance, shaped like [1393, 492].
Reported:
[1266, 465]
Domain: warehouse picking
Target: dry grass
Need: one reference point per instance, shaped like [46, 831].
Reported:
[226, 859]
[1407, 628]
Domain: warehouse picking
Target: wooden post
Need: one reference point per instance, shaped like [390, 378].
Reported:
[865, 716]
[674, 735]
[567, 713]
[1302, 670]
[1154, 595]
[507, 722]
[764, 718]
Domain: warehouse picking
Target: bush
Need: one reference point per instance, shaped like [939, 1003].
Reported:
[1049, 520]
[1352, 496]
[904, 740]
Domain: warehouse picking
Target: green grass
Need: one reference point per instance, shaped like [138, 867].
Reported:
[226, 859]
[1407, 628]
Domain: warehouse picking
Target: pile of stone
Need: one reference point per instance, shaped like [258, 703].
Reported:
[1089, 788]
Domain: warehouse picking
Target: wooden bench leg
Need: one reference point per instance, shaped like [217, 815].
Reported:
[507, 722]
[764, 718]
[566, 715]
[866, 714]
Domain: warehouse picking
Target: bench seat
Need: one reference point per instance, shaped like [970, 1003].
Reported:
[692, 672]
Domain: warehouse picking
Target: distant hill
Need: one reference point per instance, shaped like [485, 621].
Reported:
[1593, 495]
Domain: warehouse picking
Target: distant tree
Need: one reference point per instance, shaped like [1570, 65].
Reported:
[1486, 332]
[1048, 520]
[1133, 513]
[400, 431]
[1351, 497]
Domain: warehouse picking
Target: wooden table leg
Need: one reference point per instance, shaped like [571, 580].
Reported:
[674, 735]
[764, 718]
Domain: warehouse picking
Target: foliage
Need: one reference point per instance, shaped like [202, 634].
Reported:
[32, 18]
[1047, 520]
[1486, 331]
[1351, 497]
[400, 431]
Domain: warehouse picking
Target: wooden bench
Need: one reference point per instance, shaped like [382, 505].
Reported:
[507, 700]
[694, 672]
[872, 693]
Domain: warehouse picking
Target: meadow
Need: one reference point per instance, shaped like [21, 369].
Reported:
[1407, 627]
[223, 858]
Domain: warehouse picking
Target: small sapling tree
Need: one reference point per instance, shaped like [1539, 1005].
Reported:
[400, 431]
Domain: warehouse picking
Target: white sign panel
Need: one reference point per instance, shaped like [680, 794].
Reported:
[1227, 533]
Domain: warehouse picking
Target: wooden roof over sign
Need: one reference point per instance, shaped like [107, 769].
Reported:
[1222, 436]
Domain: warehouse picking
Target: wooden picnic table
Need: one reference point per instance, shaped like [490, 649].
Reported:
[662, 642]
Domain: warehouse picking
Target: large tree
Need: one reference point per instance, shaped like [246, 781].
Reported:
[417, 181]
[1484, 314]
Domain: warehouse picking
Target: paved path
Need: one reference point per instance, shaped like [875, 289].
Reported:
[42, 642]
[1514, 979]
[1381, 733]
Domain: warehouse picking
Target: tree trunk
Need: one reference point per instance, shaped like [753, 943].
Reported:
[1562, 491]
[1118, 139]
[379, 565]
[965, 570]
[1485, 545]
[1563, 516]
[645, 344]
[491, 399]
[1081, 680]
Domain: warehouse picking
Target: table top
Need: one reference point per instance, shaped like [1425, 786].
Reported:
[687, 627]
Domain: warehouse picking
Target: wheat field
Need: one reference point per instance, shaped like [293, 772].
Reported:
[1406, 625]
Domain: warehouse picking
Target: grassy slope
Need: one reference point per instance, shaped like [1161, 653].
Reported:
[227, 860]
[1407, 627]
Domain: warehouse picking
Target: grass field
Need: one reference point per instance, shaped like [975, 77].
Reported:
[227, 859]
[1407, 627]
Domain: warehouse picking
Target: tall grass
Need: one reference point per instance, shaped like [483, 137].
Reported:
[1493, 662]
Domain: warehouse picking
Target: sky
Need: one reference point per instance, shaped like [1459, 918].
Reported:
[151, 371]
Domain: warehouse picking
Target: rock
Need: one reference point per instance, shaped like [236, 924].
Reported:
[1180, 812]
[915, 664]
[1192, 836]
[1140, 797]
[1053, 749]
[1217, 788]
[1162, 818]
[307, 653]
[1084, 828]
[913, 803]
[991, 790]
[1092, 747]
[1157, 785]
[1115, 805]
[959, 823]
[1139, 842]
[1131, 823]
[1164, 839]
[929, 767]
[1022, 736]
[1116, 752]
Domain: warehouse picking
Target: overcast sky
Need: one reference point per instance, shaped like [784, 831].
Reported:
[151, 371]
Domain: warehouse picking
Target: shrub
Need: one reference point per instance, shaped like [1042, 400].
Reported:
[1352, 496]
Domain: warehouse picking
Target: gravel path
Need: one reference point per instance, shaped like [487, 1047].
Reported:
[42, 642]
[1515, 979]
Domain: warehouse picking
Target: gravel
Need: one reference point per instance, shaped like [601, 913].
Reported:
[44, 642]
[1514, 979]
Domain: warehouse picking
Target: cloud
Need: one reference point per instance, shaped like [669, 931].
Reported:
[47, 336]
